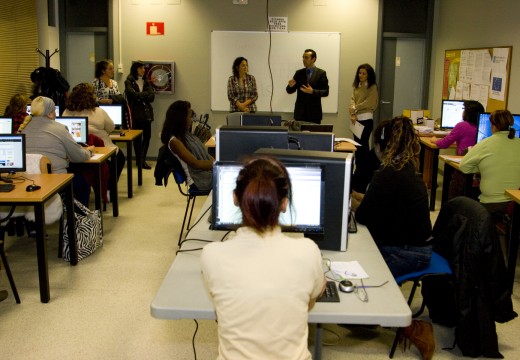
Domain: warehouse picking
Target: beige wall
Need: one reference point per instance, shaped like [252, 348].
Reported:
[475, 24]
[187, 41]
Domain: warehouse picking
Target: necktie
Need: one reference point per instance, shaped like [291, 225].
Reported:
[308, 75]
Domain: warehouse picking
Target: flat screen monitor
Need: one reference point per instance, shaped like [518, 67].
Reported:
[317, 141]
[57, 110]
[484, 126]
[77, 127]
[6, 125]
[337, 175]
[317, 127]
[451, 113]
[115, 112]
[235, 142]
[12, 153]
[260, 120]
[305, 212]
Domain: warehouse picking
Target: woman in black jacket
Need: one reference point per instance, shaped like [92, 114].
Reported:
[140, 94]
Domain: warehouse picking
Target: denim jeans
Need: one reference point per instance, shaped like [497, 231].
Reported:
[406, 259]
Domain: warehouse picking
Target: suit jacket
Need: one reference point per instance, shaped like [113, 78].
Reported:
[308, 106]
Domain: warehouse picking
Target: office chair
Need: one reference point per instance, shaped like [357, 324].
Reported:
[438, 267]
[190, 194]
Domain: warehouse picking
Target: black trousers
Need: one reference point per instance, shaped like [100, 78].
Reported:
[146, 126]
[363, 150]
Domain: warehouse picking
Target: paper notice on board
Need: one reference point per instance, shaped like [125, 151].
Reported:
[480, 93]
[499, 74]
[357, 129]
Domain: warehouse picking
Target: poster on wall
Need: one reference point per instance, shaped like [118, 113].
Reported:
[161, 75]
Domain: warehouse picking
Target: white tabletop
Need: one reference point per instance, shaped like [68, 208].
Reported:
[182, 294]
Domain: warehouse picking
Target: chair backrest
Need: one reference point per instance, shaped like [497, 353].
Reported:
[38, 164]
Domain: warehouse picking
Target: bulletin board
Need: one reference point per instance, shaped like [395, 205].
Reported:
[285, 51]
[480, 74]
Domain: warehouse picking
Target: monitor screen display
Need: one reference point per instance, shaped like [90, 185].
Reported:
[451, 113]
[77, 127]
[6, 125]
[115, 112]
[484, 126]
[57, 110]
[12, 153]
[305, 212]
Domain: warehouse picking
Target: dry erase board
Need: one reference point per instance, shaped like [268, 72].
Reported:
[480, 74]
[286, 51]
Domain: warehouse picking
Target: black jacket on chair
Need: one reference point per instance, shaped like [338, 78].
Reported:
[466, 236]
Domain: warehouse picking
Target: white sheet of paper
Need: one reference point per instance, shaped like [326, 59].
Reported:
[96, 156]
[349, 269]
[357, 128]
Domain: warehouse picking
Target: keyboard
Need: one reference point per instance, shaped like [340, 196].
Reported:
[6, 187]
[330, 294]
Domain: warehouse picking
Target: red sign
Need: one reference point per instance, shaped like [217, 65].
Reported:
[154, 28]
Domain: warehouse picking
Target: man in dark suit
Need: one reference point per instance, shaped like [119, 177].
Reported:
[312, 84]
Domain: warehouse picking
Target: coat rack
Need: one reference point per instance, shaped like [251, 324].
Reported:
[47, 56]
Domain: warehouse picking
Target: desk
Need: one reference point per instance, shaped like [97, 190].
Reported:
[183, 295]
[344, 146]
[104, 153]
[429, 166]
[129, 137]
[514, 237]
[50, 184]
[450, 167]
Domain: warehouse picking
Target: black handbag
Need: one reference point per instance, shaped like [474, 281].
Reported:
[203, 129]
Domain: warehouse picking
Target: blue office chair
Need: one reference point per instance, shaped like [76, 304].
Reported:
[438, 267]
[190, 194]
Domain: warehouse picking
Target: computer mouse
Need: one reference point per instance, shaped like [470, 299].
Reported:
[32, 187]
[346, 286]
[122, 133]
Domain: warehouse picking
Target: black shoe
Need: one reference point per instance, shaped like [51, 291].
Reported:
[146, 166]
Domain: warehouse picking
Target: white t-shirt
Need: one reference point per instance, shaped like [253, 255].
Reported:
[261, 288]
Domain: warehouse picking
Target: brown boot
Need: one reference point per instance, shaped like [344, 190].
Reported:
[419, 333]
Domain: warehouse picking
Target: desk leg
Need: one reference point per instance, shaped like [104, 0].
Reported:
[41, 252]
[113, 179]
[139, 159]
[435, 170]
[421, 159]
[69, 205]
[512, 247]
[317, 342]
[129, 167]
[448, 174]
[97, 187]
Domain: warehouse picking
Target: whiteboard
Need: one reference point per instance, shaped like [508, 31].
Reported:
[286, 57]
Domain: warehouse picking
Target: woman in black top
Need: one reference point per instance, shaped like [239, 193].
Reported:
[140, 94]
[395, 206]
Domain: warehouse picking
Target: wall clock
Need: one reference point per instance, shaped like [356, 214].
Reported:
[161, 76]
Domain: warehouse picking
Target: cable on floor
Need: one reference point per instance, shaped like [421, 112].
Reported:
[193, 339]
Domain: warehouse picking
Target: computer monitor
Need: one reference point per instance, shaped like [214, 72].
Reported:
[338, 172]
[77, 127]
[260, 120]
[6, 125]
[305, 212]
[317, 141]
[235, 142]
[317, 127]
[57, 110]
[451, 113]
[12, 154]
[115, 112]
[484, 126]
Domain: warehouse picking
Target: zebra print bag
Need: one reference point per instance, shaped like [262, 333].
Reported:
[89, 231]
